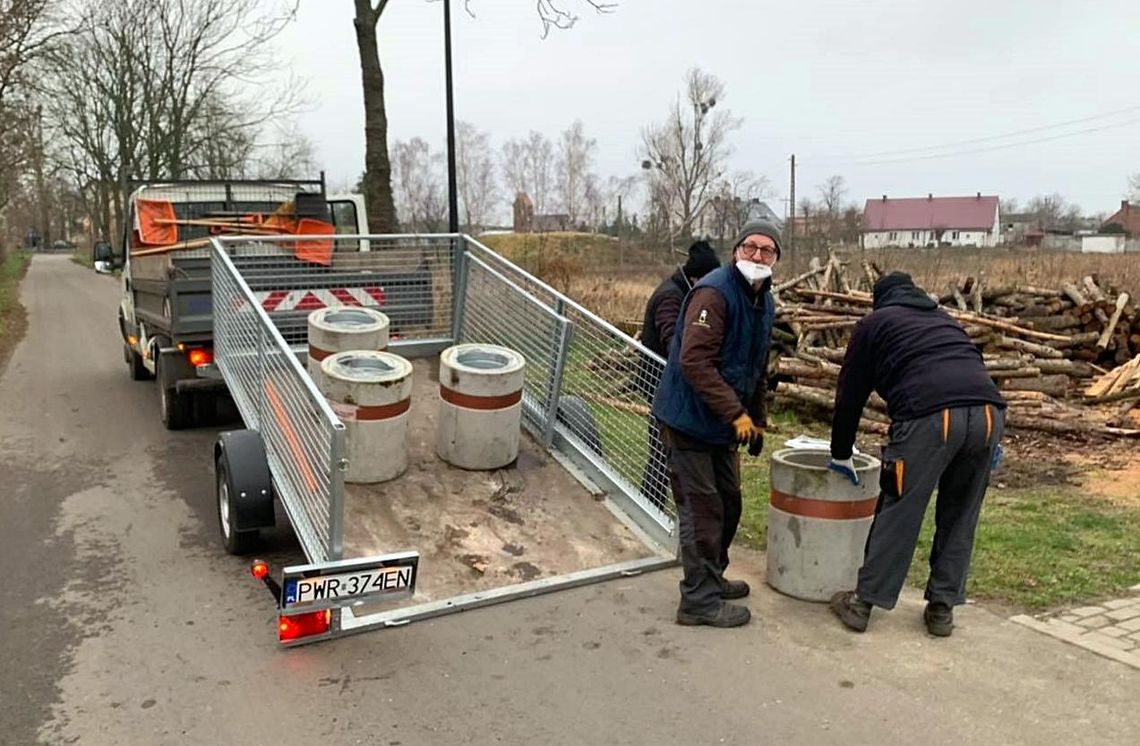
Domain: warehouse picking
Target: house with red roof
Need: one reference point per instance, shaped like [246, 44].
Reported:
[1126, 220]
[931, 221]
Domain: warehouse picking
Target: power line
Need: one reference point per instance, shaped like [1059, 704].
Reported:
[935, 156]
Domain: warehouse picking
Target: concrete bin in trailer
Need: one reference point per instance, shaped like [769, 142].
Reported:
[480, 407]
[340, 329]
[371, 394]
[818, 523]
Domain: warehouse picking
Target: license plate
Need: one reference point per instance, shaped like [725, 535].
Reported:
[342, 583]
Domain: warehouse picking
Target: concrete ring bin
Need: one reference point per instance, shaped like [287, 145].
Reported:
[371, 394]
[341, 329]
[480, 408]
[818, 523]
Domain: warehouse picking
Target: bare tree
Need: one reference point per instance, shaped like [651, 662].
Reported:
[1008, 206]
[291, 155]
[418, 186]
[733, 200]
[1053, 211]
[686, 153]
[832, 192]
[575, 158]
[1134, 188]
[378, 167]
[475, 175]
[527, 165]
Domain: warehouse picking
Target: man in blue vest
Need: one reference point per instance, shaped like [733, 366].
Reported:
[710, 401]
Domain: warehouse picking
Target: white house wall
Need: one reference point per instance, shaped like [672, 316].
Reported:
[881, 239]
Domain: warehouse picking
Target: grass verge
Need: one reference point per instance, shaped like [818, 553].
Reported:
[1036, 548]
[83, 259]
[12, 319]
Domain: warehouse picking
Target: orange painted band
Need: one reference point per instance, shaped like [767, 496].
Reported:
[989, 423]
[280, 414]
[470, 401]
[318, 354]
[810, 507]
[383, 411]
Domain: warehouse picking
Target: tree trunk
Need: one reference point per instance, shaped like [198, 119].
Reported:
[377, 167]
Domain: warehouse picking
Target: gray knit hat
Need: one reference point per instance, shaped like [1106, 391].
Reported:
[763, 228]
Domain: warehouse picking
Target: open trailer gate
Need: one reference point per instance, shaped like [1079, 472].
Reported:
[584, 504]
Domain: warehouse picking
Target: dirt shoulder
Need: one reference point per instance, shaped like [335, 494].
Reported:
[13, 317]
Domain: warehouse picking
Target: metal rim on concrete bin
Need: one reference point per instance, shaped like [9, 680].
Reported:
[483, 359]
[366, 378]
[348, 319]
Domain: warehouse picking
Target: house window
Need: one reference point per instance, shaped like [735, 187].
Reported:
[954, 234]
[914, 235]
[893, 237]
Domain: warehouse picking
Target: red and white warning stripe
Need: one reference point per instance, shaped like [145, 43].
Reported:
[310, 300]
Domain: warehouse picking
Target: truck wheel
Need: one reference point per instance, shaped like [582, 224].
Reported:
[244, 489]
[135, 364]
[177, 410]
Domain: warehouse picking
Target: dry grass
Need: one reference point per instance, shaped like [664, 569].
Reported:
[936, 269]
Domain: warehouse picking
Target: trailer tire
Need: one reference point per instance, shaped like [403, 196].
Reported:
[176, 410]
[135, 364]
[243, 488]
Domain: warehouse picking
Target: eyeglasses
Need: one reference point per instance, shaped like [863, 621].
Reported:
[766, 252]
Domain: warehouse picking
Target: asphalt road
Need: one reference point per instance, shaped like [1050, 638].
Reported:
[121, 622]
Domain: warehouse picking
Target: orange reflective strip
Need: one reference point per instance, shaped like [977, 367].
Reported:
[810, 507]
[318, 354]
[945, 425]
[899, 469]
[291, 438]
[989, 423]
[470, 401]
[383, 411]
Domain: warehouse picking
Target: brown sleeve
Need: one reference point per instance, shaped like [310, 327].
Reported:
[665, 319]
[700, 354]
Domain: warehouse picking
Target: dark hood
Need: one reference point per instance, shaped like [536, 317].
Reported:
[898, 289]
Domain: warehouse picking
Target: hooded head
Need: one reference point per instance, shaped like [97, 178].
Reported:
[898, 289]
[702, 260]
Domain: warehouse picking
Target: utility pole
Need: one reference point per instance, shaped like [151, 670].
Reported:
[792, 213]
[452, 190]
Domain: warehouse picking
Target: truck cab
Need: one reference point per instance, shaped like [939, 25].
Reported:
[166, 310]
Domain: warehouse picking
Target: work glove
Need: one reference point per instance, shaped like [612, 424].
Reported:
[846, 467]
[748, 432]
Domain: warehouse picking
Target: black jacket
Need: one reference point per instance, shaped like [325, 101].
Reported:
[662, 313]
[916, 357]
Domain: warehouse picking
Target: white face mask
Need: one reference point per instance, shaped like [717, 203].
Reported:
[753, 272]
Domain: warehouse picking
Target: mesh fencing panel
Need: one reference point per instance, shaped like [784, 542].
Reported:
[303, 440]
[497, 311]
[606, 383]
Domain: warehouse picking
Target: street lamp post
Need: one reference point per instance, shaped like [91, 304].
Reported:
[452, 191]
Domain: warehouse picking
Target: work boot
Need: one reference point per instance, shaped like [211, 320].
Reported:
[728, 615]
[735, 589]
[939, 618]
[851, 610]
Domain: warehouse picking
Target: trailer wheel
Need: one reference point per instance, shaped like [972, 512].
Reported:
[135, 364]
[244, 489]
[177, 410]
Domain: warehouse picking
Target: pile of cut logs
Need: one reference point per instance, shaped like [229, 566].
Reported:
[1043, 346]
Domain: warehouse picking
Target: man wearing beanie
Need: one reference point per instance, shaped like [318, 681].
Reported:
[711, 401]
[657, 326]
[947, 419]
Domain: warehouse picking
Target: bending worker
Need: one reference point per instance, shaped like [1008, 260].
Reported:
[711, 399]
[662, 312]
[947, 419]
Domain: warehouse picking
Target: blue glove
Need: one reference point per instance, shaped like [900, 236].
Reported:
[846, 467]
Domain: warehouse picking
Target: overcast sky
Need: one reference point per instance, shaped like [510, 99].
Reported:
[868, 89]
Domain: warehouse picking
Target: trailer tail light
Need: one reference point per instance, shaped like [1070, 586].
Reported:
[259, 569]
[310, 624]
[201, 356]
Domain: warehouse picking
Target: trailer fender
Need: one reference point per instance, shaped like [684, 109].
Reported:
[245, 484]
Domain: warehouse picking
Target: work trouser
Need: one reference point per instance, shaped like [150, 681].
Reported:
[952, 450]
[706, 490]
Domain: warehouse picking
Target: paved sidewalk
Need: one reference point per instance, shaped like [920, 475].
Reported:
[1111, 628]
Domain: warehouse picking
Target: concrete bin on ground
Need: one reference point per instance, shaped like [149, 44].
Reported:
[480, 407]
[817, 523]
[333, 330]
[371, 393]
